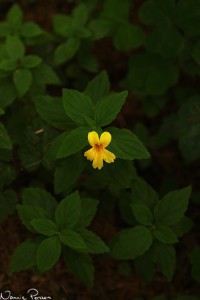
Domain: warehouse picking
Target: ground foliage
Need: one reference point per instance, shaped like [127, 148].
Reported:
[131, 229]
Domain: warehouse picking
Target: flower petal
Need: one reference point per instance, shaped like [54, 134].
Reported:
[90, 154]
[98, 161]
[93, 138]
[105, 138]
[108, 156]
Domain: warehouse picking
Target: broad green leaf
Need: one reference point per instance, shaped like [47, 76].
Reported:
[100, 28]
[165, 257]
[48, 253]
[67, 173]
[8, 92]
[183, 226]
[171, 209]
[142, 213]
[30, 30]
[108, 108]
[157, 12]
[8, 65]
[143, 193]
[44, 74]
[80, 15]
[5, 142]
[165, 234]
[15, 16]
[144, 266]
[126, 145]
[188, 16]
[128, 37]
[44, 226]
[194, 258]
[62, 25]
[72, 239]
[165, 40]
[88, 211]
[14, 47]
[52, 111]
[67, 50]
[98, 87]
[24, 256]
[77, 106]
[93, 242]
[27, 213]
[72, 143]
[2, 112]
[22, 79]
[131, 243]
[68, 211]
[39, 198]
[80, 264]
[150, 74]
[31, 61]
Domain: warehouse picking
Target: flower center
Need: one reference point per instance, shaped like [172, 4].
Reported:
[98, 148]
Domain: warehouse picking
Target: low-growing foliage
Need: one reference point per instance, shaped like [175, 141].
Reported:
[100, 119]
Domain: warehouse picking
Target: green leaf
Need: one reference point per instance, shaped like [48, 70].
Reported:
[67, 173]
[52, 111]
[172, 207]
[72, 143]
[100, 28]
[165, 234]
[143, 193]
[67, 50]
[62, 25]
[157, 12]
[142, 214]
[44, 74]
[31, 61]
[183, 226]
[165, 256]
[8, 65]
[107, 108]
[98, 87]
[68, 211]
[48, 253]
[150, 74]
[131, 243]
[15, 16]
[80, 15]
[24, 256]
[22, 79]
[8, 92]
[77, 106]
[27, 213]
[72, 239]
[165, 40]
[126, 145]
[14, 47]
[39, 198]
[93, 242]
[88, 211]
[188, 16]
[144, 266]
[194, 258]
[80, 264]
[5, 142]
[44, 226]
[128, 37]
[31, 29]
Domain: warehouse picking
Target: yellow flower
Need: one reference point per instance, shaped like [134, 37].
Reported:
[98, 153]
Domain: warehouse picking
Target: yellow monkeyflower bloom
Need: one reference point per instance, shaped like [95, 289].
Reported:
[98, 153]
